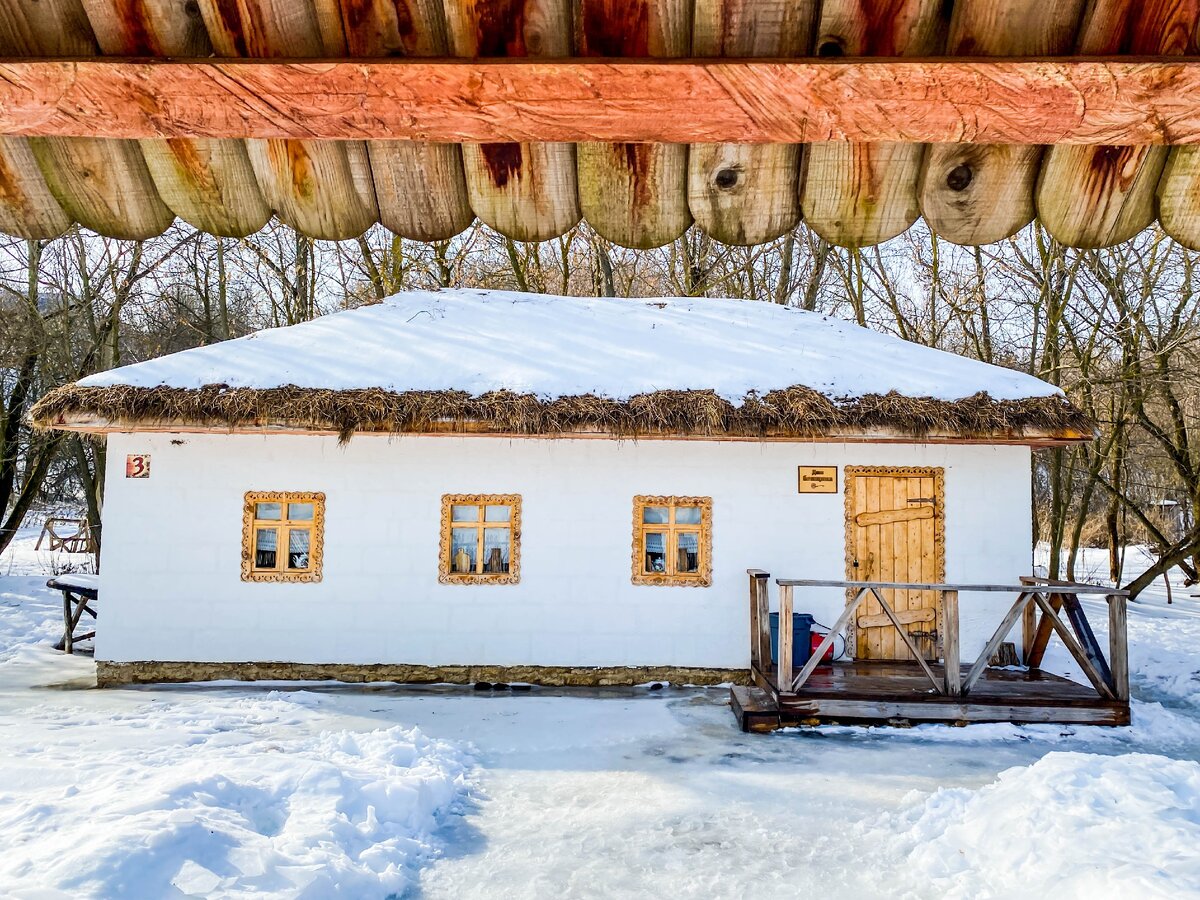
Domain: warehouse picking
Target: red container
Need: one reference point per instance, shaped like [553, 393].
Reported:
[816, 639]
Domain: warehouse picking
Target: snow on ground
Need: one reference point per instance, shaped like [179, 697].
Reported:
[322, 790]
[566, 346]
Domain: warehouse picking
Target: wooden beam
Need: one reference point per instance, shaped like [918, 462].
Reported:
[1079, 100]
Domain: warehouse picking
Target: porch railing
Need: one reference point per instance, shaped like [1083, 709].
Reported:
[1109, 675]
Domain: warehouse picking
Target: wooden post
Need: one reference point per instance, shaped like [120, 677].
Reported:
[950, 651]
[760, 628]
[1118, 645]
[783, 667]
[1028, 633]
[763, 635]
[68, 625]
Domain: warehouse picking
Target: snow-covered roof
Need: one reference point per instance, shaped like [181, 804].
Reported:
[477, 343]
[480, 341]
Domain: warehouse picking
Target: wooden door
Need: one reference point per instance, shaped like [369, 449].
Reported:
[895, 532]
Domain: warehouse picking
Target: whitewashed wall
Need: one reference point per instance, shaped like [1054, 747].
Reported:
[171, 587]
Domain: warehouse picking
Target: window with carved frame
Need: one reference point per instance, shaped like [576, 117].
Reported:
[672, 541]
[283, 536]
[481, 539]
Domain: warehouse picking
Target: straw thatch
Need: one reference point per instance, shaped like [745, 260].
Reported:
[796, 411]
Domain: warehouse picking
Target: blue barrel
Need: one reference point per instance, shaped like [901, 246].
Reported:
[801, 638]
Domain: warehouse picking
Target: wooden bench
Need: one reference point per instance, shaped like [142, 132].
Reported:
[80, 593]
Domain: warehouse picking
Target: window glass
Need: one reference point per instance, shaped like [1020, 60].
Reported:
[497, 513]
[462, 513]
[655, 554]
[282, 536]
[687, 515]
[480, 539]
[464, 546]
[688, 561]
[495, 550]
[655, 515]
[298, 543]
[266, 544]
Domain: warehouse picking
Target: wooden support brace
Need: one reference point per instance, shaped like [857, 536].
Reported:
[843, 620]
[1081, 657]
[1087, 638]
[908, 641]
[1001, 632]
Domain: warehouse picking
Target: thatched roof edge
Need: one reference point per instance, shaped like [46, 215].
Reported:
[796, 411]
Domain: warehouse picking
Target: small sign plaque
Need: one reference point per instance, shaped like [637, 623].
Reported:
[818, 479]
[137, 465]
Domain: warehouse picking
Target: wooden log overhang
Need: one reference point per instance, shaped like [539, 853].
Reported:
[1088, 101]
[639, 116]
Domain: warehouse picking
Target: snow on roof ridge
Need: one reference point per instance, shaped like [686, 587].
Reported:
[480, 340]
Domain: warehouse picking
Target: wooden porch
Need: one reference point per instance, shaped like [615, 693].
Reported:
[945, 689]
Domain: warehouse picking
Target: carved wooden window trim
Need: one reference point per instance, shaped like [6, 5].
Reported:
[703, 576]
[446, 573]
[284, 526]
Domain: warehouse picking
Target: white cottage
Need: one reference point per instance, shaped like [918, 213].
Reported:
[480, 485]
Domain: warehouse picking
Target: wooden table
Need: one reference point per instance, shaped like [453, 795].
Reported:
[80, 593]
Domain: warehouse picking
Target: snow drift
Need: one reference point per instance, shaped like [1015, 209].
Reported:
[1070, 825]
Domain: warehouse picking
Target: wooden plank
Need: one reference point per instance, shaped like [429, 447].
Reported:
[1118, 645]
[419, 186]
[783, 663]
[946, 710]
[748, 193]
[320, 188]
[1001, 632]
[1068, 639]
[980, 193]
[906, 616]
[209, 183]
[870, 640]
[1082, 590]
[527, 191]
[634, 194]
[104, 185]
[1071, 101]
[1100, 196]
[950, 635]
[860, 194]
[1179, 197]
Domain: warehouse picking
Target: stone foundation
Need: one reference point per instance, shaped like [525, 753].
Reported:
[110, 674]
